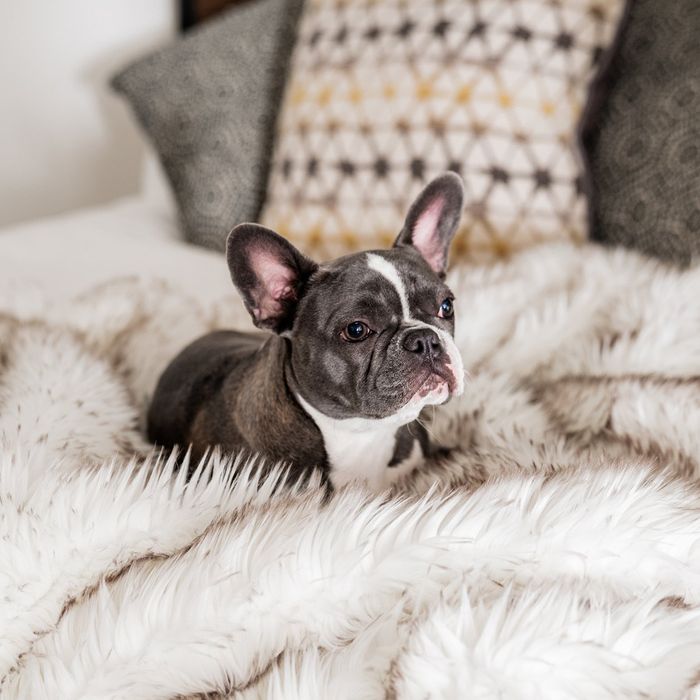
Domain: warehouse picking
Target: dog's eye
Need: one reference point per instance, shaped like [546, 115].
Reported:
[446, 309]
[356, 331]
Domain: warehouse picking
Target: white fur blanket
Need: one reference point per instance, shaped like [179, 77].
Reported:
[555, 554]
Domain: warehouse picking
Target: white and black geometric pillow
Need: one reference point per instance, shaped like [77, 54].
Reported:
[385, 94]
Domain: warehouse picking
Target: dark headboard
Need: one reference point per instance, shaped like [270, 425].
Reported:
[195, 11]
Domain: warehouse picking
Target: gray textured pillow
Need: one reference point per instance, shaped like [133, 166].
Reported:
[209, 104]
[644, 144]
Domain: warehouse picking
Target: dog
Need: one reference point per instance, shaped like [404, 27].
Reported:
[359, 346]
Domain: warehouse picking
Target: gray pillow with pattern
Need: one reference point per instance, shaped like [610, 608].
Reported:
[644, 144]
[209, 104]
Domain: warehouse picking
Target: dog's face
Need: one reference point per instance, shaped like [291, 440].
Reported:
[373, 337]
[371, 333]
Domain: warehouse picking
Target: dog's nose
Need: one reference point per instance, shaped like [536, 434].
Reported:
[423, 341]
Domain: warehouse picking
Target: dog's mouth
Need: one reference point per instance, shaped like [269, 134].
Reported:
[433, 383]
[433, 387]
[439, 383]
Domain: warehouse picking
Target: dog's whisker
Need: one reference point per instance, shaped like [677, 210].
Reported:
[426, 428]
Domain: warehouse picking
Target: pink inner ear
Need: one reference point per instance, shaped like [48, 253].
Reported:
[277, 284]
[425, 235]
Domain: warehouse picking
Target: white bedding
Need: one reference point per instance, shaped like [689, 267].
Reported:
[59, 257]
[560, 564]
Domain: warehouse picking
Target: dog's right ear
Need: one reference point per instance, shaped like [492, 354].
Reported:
[269, 272]
[432, 220]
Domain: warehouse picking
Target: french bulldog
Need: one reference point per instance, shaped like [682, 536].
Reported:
[359, 347]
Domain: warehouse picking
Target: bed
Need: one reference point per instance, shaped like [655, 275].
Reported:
[553, 553]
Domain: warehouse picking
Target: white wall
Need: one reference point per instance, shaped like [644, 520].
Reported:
[65, 140]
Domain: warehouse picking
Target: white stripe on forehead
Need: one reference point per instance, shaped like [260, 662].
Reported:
[389, 272]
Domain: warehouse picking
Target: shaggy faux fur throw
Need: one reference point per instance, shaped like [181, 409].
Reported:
[554, 554]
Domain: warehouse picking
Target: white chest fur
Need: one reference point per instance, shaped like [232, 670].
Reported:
[360, 449]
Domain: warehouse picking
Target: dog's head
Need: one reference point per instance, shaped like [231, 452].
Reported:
[371, 333]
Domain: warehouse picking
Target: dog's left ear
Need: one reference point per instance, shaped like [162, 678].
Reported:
[269, 272]
[432, 220]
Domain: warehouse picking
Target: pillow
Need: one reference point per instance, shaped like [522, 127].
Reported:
[209, 103]
[644, 143]
[385, 94]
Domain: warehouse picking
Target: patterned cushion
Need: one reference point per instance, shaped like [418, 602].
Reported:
[386, 94]
[209, 104]
[644, 144]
